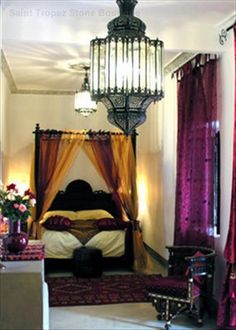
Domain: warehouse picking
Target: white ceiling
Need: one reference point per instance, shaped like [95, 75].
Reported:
[41, 39]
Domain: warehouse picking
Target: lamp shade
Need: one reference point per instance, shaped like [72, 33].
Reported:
[126, 69]
[83, 102]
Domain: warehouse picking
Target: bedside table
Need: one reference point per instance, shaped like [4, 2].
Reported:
[23, 291]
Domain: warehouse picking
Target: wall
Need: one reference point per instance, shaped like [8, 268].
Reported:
[50, 111]
[4, 106]
[157, 170]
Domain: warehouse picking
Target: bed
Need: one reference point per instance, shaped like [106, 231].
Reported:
[79, 216]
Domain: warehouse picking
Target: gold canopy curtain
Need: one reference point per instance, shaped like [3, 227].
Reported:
[113, 157]
[57, 152]
[124, 159]
[47, 158]
[99, 150]
[69, 147]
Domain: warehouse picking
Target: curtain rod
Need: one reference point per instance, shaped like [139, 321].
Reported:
[198, 59]
[223, 33]
[231, 26]
[90, 132]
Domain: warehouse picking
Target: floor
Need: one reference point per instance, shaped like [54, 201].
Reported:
[135, 316]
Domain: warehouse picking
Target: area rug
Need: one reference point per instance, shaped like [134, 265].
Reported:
[108, 289]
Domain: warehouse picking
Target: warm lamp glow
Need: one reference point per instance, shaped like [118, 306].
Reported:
[20, 180]
[83, 102]
[142, 196]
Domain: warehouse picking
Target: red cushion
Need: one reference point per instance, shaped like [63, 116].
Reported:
[58, 223]
[111, 224]
[173, 286]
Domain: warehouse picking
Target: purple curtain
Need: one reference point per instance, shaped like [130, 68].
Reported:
[227, 305]
[194, 223]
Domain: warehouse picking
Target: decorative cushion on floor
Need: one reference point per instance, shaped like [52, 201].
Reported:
[87, 262]
[173, 286]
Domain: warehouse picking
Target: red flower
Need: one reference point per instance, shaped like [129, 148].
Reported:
[30, 194]
[12, 186]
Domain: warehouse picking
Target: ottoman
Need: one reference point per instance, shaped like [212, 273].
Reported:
[87, 262]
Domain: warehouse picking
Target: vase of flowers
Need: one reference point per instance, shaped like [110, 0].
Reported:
[16, 208]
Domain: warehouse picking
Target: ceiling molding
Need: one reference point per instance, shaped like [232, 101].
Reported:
[178, 61]
[13, 88]
[227, 22]
[7, 72]
[43, 92]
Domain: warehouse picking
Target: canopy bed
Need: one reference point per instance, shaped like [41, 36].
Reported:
[80, 217]
[110, 217]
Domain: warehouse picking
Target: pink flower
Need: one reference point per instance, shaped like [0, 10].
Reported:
[22, 208]
[16, 206]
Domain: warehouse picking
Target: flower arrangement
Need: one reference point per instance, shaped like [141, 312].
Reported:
[15, 206]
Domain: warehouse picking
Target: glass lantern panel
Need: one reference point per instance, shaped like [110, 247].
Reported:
[107, 65]
[120, 68]
[152, 68]
[136, 72]
[160, 73]
[112, 69]
[102, 64]
[129, 65]
[94, 67]
[148, 66]
[143, 68]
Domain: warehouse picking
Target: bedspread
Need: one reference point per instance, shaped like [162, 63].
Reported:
[83, 230]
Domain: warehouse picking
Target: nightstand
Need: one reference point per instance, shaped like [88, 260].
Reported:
[23, 291]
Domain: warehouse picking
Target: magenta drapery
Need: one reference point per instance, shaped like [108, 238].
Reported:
[226, 318]
[197, 111]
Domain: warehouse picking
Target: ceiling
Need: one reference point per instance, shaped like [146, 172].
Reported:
[41, 39]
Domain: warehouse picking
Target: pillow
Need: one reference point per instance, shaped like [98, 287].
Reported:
[68, 214]
[58, 223]
[93, 214]
[111, 224]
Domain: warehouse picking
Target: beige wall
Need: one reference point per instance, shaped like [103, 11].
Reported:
[50, 111]
[4, 106]
[157, 170]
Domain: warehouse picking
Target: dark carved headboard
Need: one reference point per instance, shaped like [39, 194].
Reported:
[79, 195]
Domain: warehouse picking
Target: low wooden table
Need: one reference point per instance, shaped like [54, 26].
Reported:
[23, 291]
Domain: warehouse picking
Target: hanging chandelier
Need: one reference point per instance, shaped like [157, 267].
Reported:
[126, 69]
[83, 102]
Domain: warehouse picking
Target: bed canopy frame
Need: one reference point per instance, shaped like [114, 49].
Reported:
[125, 158]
